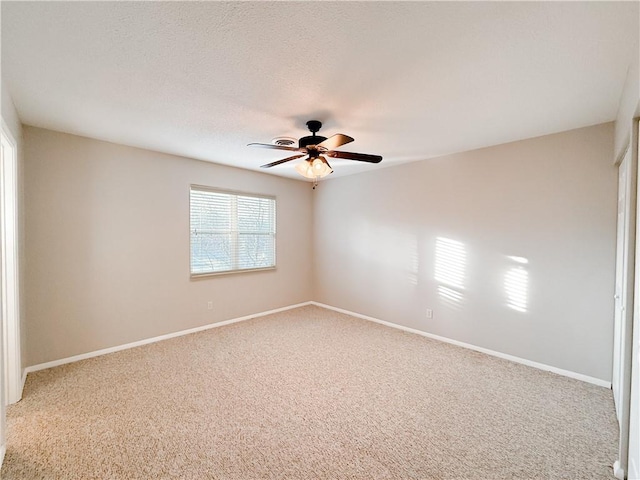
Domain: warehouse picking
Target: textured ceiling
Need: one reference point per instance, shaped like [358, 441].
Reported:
[408, 80]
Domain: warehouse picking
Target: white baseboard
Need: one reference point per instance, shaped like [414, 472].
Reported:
[104, 351]
[3, 450]
[523, 361]
[617, 471]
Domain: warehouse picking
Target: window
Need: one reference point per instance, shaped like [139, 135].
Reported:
[231, 232]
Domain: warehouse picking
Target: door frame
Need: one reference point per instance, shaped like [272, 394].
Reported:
[624, 270]
[621, 465]
[625, 279]
[633, 438]
[9, 271]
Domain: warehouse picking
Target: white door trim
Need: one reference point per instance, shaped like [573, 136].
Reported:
[10, 264]
[631, 440]
[624, 248]
[621, 466]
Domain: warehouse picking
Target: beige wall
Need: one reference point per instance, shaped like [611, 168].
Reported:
[551, 200]
[629, 107]
[107, 241]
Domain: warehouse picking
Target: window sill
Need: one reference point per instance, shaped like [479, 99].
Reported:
[196, 276]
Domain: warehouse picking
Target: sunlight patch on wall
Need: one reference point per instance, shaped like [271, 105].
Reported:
[450, 297]
[520, 260]
[451, 260]
[516, 285]
[450, 265]
[414, 263]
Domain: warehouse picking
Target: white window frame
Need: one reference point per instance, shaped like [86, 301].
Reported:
[234, 232]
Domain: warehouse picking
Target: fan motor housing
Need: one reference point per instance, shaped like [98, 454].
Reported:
[310, 140]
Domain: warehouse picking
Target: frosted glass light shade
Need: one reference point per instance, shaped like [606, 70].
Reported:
[316, 168]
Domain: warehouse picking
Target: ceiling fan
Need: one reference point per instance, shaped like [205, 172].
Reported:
[317, 148]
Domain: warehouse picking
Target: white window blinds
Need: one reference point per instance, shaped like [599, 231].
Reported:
[231, 231]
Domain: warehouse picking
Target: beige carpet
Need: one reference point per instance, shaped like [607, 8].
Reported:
[307, 394]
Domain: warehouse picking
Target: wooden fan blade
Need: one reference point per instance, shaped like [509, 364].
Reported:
[324, 159]
[360, 157]
[278, 162]
[335, 141]
[276, 147]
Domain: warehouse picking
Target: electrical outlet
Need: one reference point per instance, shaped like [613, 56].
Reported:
[210, 305]
[429, 313]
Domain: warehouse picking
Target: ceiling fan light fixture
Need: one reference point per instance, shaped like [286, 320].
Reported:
[317, 165]
[314, 168]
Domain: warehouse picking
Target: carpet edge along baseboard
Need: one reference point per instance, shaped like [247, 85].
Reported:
[523, 361]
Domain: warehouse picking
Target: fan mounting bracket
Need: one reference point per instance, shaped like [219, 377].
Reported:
[314, 126]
